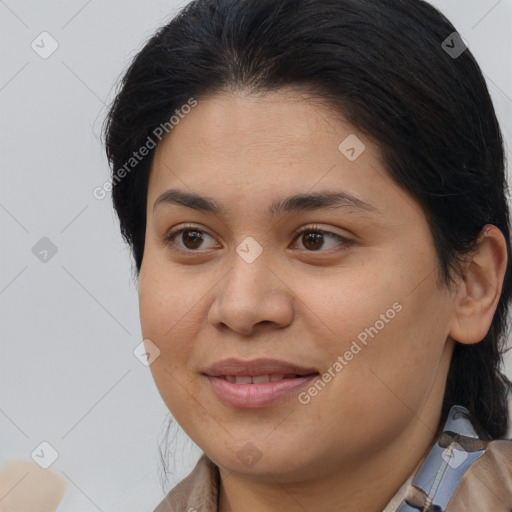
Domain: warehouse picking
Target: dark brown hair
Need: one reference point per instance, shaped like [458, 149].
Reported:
[386, 67]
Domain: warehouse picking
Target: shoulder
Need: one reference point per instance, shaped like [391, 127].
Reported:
[487, 484]
[465, 470]
[198, 492]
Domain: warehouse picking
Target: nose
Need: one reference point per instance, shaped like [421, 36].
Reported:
[252, 296]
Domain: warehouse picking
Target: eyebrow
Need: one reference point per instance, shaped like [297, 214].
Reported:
[295, 203]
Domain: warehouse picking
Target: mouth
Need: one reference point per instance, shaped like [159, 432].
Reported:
[257, 368]
[259, 379]
[257, 383]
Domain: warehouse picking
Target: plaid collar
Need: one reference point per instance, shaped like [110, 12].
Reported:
[463, 471]
[449, 459]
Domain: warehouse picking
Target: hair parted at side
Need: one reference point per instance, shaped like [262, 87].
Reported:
[382, 66]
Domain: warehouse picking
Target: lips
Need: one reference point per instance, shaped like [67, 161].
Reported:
[257, 368]
[258, 379]
[258, 383]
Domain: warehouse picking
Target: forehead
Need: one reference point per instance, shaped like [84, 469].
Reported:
[237, 148]
[286, 120]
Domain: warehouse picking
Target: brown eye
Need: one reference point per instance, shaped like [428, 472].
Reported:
[190, 239]
[314, 239]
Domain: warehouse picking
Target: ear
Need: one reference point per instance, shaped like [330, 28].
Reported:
[479, 289]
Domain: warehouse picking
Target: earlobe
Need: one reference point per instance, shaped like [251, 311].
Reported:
[480, 288]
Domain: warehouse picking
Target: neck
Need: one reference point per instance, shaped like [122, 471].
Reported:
[357, 486]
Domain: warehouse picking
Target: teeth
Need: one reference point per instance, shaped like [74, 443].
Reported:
[243, 379]
[259, 379]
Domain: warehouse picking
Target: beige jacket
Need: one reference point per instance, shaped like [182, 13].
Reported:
[485, 485]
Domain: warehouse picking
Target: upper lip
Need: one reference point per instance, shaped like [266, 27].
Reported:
[255, 367]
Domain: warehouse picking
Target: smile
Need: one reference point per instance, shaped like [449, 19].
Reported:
[257, 379]
[246, 392]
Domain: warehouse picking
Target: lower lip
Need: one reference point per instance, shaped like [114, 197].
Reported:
[254, 396]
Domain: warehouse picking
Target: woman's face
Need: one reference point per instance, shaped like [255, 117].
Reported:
[352, 304]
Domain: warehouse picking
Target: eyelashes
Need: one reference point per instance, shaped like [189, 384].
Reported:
[341, 241]
[199, 237]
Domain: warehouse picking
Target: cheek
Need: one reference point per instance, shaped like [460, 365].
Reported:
[390, 338]
[166, 314]
[391, 364]
[357, 305]
[168, 299]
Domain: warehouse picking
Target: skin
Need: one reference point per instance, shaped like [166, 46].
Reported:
[354, 444]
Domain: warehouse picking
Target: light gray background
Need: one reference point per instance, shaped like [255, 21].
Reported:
[69, 326]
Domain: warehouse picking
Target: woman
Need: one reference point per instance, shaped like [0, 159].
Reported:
[314, 194]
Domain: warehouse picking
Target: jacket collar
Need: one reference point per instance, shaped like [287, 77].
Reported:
[463, 469]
